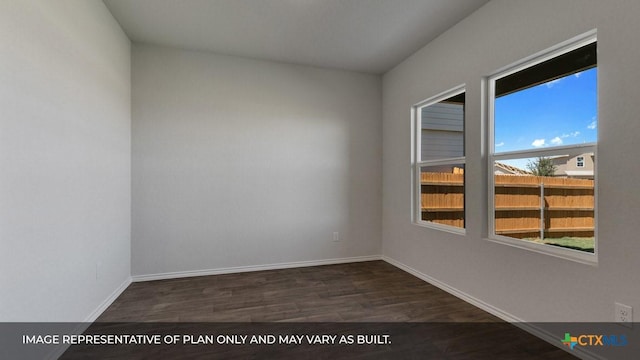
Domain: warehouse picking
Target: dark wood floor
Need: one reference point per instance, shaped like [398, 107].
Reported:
[373, 293]
[366, 291]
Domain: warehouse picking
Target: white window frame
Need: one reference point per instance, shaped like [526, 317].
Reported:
[416, 121]
[573, 150]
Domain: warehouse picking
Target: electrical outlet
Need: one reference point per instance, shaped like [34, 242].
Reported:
[624, 314]
[336, 236]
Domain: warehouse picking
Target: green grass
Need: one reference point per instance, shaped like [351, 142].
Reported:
[577, 243]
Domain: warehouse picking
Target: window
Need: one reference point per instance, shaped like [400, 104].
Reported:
[439, 161]
[543, 114]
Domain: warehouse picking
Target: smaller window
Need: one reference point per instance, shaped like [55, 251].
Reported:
[439, 161]
[580, 161]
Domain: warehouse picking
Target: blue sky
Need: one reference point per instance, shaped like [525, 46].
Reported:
[557, 113]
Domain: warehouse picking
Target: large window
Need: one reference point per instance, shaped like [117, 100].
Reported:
[439, 161]
[543, 128]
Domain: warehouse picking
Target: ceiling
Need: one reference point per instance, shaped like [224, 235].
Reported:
[360, 35]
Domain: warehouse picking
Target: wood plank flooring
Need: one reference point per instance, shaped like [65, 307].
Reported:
[375, 294]
[366, 291]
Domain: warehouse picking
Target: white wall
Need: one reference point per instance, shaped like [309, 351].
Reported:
[526, 285]
[64, 159]
[239, 162]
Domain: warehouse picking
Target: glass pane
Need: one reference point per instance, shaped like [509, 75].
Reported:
[554, 208]
[442, 194]
[442, 129]
[558, 112]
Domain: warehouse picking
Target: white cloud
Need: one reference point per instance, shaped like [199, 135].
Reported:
[571, 134]
[500, 144]
[553, 82]
[577, 74]
[592, 125]
[556, 141]
[538, 143]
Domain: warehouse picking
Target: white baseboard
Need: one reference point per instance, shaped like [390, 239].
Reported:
[455, 292]
[553, 339]
[82, 327]
[240, 269]
[108, 301]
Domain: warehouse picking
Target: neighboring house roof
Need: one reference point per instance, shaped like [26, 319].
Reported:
[558, 156]
[509, 169]
[572, 156]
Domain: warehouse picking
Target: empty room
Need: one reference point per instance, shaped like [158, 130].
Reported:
[440, 179]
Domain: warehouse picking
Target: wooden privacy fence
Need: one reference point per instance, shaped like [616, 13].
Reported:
[525, 206]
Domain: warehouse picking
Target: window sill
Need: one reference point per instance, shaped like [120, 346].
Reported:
[445, 228]
[556, 251]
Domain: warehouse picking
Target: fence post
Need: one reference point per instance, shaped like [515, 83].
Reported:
[542, 211]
